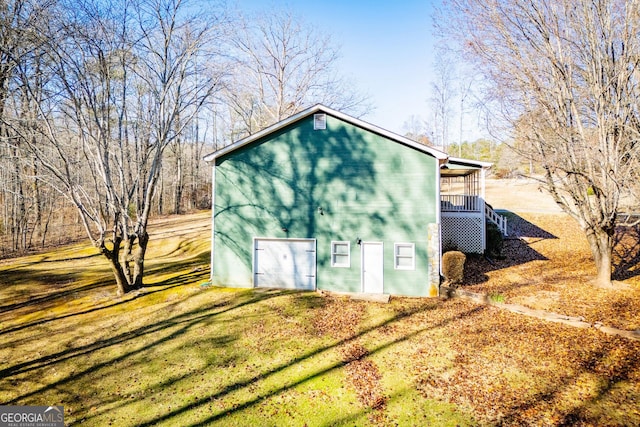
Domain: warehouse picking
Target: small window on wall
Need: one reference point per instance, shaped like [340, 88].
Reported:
[340, 254]
[319, 121]
[404, 256]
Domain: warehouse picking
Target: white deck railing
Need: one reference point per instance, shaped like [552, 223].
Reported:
[472, 204]
[459, 203]
[499, 220]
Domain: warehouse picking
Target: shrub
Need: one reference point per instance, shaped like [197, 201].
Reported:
[494, 240]
[453, 267]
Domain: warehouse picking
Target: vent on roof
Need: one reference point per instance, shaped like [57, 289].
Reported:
[319, 121]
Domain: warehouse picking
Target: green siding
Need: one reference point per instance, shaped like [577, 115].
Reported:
[367, 186]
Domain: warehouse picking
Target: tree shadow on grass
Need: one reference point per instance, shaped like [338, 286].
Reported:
[184, 272]
[164, 332]
[516, 250]
[47, 289]
[256, 400]
[184, 321]
[157, 337]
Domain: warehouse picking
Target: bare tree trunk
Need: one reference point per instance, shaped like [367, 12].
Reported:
[601, 243]
[138, 266]
[113, 257]
[37, 202]
[195, 159]
[161, 196]
[45, 224]
[178, 182]
[19, 213]
[126, 257]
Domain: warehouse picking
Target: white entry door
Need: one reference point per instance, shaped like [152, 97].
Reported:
[372, 267]
[285, 263]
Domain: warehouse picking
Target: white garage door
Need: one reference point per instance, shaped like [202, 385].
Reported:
[285, 263]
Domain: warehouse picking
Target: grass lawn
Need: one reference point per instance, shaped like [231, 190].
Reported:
[182, 354]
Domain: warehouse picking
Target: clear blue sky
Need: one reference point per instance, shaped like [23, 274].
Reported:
[386, 49]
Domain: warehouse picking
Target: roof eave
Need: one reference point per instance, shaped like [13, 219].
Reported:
[388, 134]
[264, 132]
[476, 163]
[442, 157]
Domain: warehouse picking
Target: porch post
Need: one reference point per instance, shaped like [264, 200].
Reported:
[434, 240]
[482, 208]
[434, 249]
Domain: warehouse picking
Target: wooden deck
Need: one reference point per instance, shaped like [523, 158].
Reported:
[462, 203]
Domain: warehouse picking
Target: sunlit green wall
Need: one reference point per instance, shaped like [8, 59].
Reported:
[367, 186]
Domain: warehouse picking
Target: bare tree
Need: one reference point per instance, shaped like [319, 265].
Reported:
[124, 89]
[465, 92]
[443, 92]
[415, 128]
[20, 49]
[566, 76]
[281, 67]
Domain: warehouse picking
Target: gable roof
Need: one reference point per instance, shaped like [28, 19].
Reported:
[319, 108]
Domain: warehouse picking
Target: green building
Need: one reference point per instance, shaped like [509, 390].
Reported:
[324, 201]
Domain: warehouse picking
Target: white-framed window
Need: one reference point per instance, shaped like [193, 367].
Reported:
[319, 121]
[340, 254]
[404, 256]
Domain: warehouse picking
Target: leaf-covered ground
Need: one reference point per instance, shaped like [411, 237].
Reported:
[503, 368]
[547, 265]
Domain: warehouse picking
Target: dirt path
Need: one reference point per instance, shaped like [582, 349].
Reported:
[575, 321]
